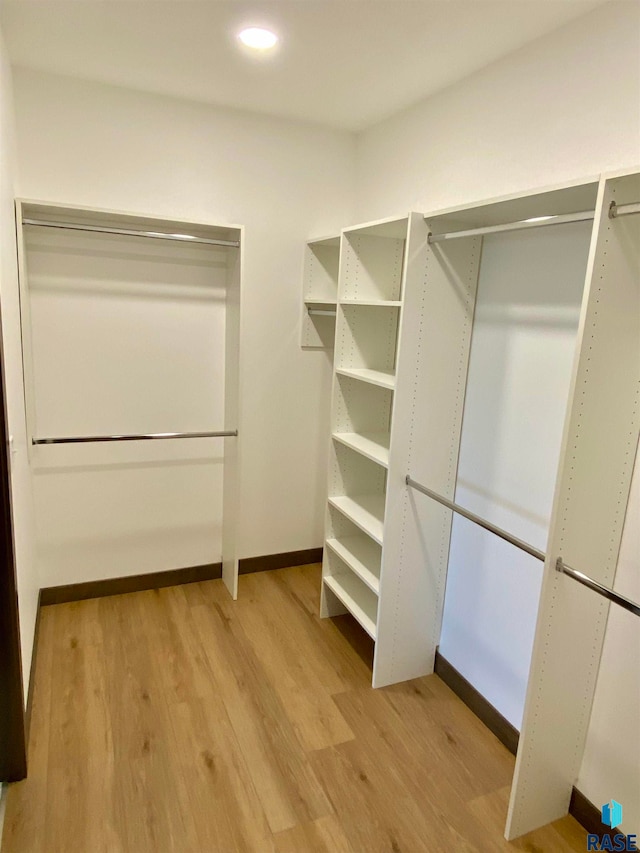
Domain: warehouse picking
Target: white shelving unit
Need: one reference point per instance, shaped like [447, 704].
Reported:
[320, 293]
[119, 374]
[432, 393]
[373, 279]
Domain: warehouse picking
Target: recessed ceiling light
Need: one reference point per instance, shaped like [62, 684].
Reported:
[258, 38]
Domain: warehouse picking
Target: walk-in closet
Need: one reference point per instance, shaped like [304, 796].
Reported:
[320, 386]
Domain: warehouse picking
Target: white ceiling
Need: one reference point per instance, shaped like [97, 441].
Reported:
[345, 63]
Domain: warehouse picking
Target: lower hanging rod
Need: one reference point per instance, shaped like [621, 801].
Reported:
[150, 436]
[561, 566]
[492, 528]
[131, 232]
[585, 580]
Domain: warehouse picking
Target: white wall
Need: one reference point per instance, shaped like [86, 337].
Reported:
[126, 336]
[90, 144]
[565, 107]
[22, 499]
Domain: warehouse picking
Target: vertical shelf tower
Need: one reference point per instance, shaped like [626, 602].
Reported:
[376, 262]
[320, 293]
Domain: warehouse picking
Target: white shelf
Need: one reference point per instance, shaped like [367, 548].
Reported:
[365, 511]
[362, 556]
[376, 303]
[320, 303]
[373, 445]
[382, 378]
[357, 598]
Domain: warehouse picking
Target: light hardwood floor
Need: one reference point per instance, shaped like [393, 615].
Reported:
[178, 720]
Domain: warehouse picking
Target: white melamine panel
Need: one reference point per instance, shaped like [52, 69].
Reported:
[360, 407]
[371, 267]
[373, 445]
[232, 421]
[366, 337]
[599, 445]
[525, 325]
[380, 303]
[611, 763]
[362, 556]
[381, 378]
[365, 511]
[432, 366]
[351, 473]
[320, 291]
[321, 269]
[359, 600]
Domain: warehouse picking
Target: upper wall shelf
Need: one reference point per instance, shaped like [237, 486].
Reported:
[320, 292]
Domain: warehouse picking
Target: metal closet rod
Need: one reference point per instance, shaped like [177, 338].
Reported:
[537, 222]
[131, 232]
[150, 436]
[561, 566]
[492, 528]
[318, 312]
[615, 211]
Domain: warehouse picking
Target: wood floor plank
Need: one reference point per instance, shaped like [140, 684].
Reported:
[285, 655]
[324, 835]
[24, 825]
[453, 731]
[285, 782]
[220, 789]
[178, 721]
[147, 783]
[337, 665]
[562, 836]
[377, 811]
[415, 766]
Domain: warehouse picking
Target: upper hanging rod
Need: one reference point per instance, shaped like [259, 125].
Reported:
[319, 312]
[535, 222]
[86, 439]
[129, 232]
[616, 210]
[561, 566]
